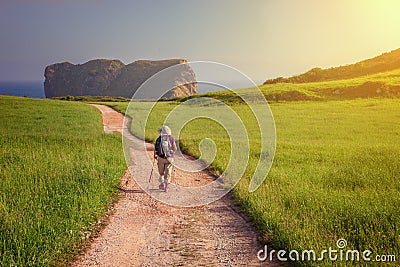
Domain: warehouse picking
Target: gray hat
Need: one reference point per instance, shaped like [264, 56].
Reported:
[165, 130]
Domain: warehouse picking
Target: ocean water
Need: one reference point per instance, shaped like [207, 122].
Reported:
[34, 89]
[224, 85]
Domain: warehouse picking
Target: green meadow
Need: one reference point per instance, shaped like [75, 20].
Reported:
[335, 173]
[59, 175]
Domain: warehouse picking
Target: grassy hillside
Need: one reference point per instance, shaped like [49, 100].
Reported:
[379, 85]
[383, 84]
[335, 174]
[385, 62]
[59, 173]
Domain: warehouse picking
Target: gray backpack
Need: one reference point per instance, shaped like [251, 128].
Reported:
[163, 146]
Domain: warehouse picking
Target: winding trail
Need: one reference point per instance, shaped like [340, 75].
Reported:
[142, 231]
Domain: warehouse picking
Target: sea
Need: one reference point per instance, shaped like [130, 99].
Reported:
[33, 89]
[222, 85]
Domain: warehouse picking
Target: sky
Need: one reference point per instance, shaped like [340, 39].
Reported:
[262, 39]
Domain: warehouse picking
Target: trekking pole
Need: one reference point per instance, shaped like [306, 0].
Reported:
[152, 170]
[174, 174]
[177, 186]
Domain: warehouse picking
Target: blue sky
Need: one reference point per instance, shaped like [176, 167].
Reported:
[263, 39]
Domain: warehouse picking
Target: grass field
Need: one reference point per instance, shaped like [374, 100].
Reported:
[59, 174]
[335, 173]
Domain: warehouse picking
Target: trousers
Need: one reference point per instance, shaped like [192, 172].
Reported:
[165, 168]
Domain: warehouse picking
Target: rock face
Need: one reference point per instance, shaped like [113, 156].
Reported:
[102, 77]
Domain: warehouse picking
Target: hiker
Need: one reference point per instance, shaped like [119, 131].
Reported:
[164, 150]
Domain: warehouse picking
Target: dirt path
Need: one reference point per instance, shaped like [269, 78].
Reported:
[145, 232]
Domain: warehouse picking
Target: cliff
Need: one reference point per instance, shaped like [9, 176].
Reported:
[102, 77]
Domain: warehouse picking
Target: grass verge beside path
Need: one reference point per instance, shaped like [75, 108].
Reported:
[59, 174]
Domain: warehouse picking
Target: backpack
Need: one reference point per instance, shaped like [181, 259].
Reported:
[163, 146]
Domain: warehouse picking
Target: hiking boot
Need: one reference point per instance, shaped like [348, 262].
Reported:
[161, 186]
[165, 187]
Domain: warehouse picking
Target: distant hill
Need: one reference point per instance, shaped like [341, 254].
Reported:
[385, 62]
[379, 85]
